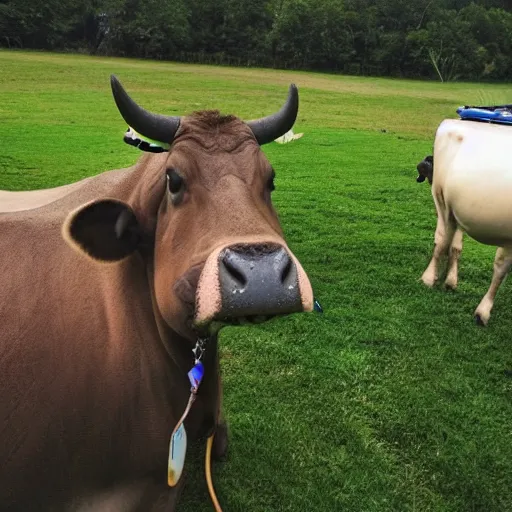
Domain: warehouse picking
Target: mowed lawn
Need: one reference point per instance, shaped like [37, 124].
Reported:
[392, 399]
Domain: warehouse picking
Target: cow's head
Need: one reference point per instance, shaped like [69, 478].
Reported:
[217, 255]
[425, 169]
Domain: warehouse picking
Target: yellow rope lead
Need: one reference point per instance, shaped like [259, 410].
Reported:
[208, 470]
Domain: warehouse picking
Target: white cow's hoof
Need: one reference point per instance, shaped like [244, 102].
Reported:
[481, 319]
[450, 284]
[428, 280]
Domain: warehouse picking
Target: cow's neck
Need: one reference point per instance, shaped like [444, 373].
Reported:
[205, 412]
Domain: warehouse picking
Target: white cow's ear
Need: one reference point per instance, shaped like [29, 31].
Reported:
[106, 230]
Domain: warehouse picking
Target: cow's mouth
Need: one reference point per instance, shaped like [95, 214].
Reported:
[186, 290]
[218, 323]
[244, 284]
[250, 319]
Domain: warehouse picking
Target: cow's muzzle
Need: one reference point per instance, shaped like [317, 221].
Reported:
[258, 281]
[251, 281]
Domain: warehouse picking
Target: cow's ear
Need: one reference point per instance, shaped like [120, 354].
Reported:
[106, 230]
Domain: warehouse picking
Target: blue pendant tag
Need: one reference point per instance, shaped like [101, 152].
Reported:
[195, 375]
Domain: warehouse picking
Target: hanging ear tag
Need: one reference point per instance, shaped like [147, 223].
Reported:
[177, 452]
[178, 447]
[133, 138]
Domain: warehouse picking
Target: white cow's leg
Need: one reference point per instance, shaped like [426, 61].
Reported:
[453, 261]
[429, 277]
[445, 232]
[502, 264]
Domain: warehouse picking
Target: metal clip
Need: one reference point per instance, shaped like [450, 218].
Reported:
[199, 349]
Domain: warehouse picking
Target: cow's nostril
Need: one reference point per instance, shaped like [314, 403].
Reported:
[232, 265]
[286, 265]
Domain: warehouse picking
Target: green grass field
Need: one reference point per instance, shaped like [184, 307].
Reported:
[393, 399]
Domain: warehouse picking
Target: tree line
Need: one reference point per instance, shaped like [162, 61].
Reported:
[442, 39]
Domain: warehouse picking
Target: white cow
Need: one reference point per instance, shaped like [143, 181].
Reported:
[472, 190]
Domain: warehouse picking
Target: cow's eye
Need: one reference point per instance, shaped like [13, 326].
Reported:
[174, 181]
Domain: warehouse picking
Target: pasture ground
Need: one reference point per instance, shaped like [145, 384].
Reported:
[393, 399]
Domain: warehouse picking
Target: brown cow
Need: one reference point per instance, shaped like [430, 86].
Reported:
[106, 285]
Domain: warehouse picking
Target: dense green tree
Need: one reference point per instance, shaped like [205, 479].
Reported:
[311, 34]
[145, 28]
[235, 28]
[46, 24]
[492, 31]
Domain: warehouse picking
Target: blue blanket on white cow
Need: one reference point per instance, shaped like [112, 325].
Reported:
[497, 114]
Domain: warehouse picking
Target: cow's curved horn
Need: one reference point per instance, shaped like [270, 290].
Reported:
[153, 126]
[271, 127]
